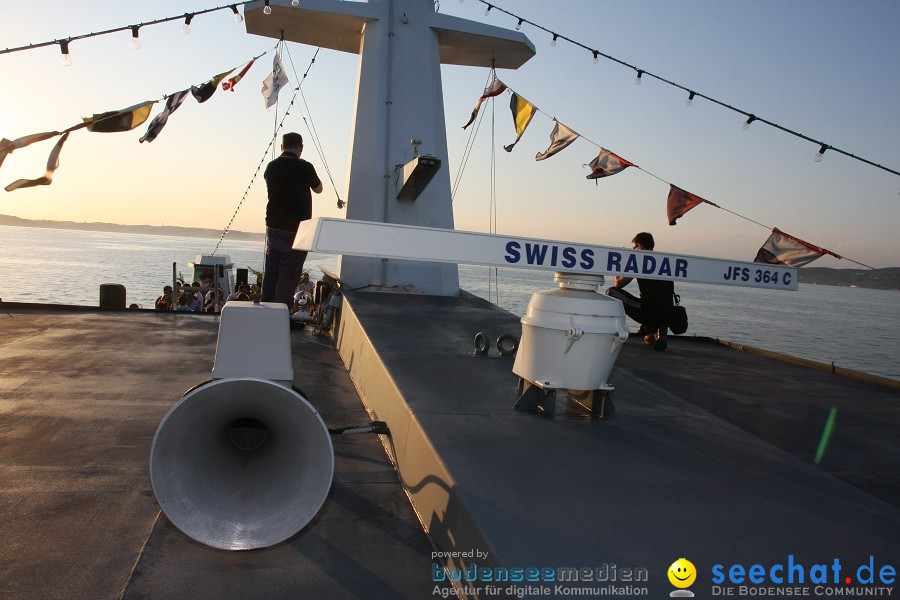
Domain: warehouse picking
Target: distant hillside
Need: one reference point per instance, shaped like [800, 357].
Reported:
[881, 279]
[194, 232]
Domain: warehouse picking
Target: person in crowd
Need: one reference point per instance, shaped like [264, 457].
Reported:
[164, 302]
[183, 303]
[654, 308]
[289, 180]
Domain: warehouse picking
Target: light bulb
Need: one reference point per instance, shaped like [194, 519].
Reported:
[690, 100]
[821, 153]
[66, 58]
[237, 16]
[637, 79]
[596, 57]
[135, 38]
[747, 123]
[487, 11]
[267, 10]
[295, 2]
[186, 28]
[553, 41]
[519, 25]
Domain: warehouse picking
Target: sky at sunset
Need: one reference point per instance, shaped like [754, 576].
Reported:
[824, 68]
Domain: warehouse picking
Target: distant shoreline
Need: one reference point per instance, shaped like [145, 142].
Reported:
[169, 230]
[881, 279]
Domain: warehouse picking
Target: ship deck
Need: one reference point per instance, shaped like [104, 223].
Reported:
[708, 456]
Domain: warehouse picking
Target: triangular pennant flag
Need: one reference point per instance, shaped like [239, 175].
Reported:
[120, 120]
[7, 146]
[523, 111]
[52, 165]
[233, 81]
[784, 249]
[560, 138]
[606, 164]
[495, 88]
[276, 80]
[159, 121]
[680, 201]
[204, 91]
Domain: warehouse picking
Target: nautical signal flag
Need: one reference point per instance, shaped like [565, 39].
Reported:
[120, 120]
[52, 165]
[680, 201]
[276, 80]
[204, 91]
[233, 81]
[159, 121]
[560, 138]
[607, 164]
[522, 112]
[784, 249]
[495, 88]
[7, 146]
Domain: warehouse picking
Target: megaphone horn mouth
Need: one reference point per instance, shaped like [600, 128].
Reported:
[241, 463]
[247, 434]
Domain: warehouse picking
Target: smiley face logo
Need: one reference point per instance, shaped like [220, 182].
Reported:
[682, 573]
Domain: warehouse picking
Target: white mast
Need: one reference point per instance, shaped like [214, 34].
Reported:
[399, 98]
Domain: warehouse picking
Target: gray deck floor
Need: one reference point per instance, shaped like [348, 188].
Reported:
[81, 395]
[707, 457]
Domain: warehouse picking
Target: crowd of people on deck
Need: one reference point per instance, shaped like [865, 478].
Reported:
[196, 298]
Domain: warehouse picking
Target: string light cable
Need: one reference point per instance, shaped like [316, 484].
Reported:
[63, 43]
[640, 74]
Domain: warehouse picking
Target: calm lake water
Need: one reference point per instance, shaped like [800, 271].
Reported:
[855, 328]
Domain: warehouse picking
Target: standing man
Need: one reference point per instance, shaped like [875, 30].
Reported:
[289, 179]
[654, 308]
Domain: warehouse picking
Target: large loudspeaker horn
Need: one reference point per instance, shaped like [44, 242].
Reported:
[239, 464]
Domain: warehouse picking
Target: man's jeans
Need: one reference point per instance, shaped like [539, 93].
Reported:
[284, 266]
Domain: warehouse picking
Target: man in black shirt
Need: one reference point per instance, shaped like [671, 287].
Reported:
[654, 308]
[289, 180]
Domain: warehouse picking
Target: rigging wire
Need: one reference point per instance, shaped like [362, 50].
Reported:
[470, 143]
[640, 73]
[310, 124]
[493, 202]
[262, 160]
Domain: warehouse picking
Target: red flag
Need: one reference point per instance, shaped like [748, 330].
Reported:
[784, 249]
[607, 164]
[495, 88]
[233, 81]
[680, 201]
